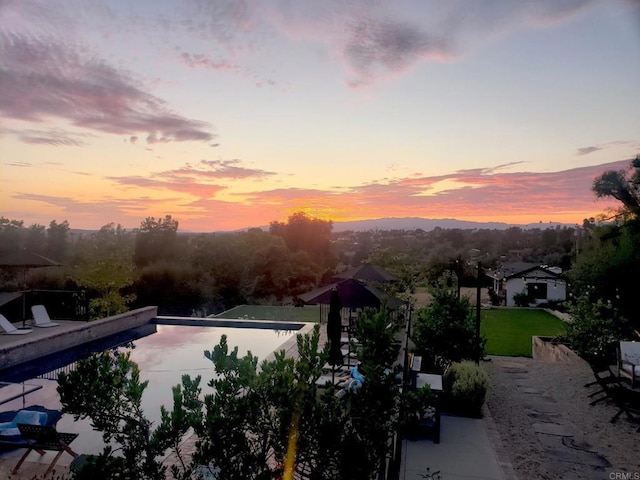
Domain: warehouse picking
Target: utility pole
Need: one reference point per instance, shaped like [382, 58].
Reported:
[478, 297]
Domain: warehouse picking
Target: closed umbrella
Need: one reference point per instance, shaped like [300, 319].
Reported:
[334, 330]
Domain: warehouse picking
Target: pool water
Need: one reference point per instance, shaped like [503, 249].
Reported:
[164, 353]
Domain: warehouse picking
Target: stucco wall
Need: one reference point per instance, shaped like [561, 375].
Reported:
[556, 290]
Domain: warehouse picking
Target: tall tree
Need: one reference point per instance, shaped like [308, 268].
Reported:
[57, 234]
[156, 240]
[11, 234]
[606, 268]
[312, 235]
[36, 238]
[105, 267]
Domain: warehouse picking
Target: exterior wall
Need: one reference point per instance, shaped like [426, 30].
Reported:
[556, 289]
[513, 286]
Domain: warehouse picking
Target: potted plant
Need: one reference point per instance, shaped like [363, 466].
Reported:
[418, 410]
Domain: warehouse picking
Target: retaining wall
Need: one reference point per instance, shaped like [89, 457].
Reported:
[542, 348]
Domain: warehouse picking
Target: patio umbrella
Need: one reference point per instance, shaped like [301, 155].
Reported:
[366, 272]
[334, 329]
[25, 260]
[353, 294]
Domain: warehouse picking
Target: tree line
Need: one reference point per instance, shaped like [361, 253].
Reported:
[184, 273]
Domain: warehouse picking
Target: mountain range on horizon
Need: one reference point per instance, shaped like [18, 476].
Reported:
[395, 223]
[427, 224]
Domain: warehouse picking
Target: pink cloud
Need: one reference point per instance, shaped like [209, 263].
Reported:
[43, 78]
[194, 180]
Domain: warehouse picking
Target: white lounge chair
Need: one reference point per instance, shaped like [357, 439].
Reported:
[41, 317]
[10, 328]
[629, 361]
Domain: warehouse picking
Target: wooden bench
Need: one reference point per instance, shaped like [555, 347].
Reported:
[45, 437]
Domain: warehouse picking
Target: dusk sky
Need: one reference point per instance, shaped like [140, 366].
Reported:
[230, 114]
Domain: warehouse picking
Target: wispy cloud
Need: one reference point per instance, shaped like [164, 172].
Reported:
[594, 148]
[373, 41]
[588, 150]
[52, 137]
[43, 78]
[376, 40]
[374, 48]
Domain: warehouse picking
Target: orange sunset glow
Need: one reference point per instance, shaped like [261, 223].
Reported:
[228, 116]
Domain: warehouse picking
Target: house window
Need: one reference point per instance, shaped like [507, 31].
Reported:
[537, 290]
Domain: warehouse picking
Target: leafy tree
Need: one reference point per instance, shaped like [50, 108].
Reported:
[176, 289]
[622, 185]
[401, 263]
[607, 264]
[595, 327]
[276, 271]
[221, 260]
[156, 240]
[377, 331]
[57, 234]
[444, 331]
[375, 408]
[11, 234]
[104, 266]
[36, 238]
[311, 235]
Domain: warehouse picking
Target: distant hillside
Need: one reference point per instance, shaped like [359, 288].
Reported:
[428, 224]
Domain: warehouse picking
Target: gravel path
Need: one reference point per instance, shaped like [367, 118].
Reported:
[542, 414]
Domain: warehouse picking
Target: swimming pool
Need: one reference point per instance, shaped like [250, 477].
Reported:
[163, 352]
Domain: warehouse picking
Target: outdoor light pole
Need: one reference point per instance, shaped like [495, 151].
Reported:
[478, 295]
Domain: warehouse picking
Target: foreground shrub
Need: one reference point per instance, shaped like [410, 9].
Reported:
[465, 389]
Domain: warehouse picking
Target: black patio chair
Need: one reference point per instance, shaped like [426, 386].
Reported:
[614, 391]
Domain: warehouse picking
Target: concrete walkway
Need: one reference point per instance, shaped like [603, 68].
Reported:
[469, 449]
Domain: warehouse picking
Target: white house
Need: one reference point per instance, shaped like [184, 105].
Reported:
[541, 283]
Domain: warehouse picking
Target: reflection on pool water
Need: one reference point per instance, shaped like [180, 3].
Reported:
[165, 354]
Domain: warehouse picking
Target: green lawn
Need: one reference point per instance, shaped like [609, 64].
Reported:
[308, 313]
[509, 331]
